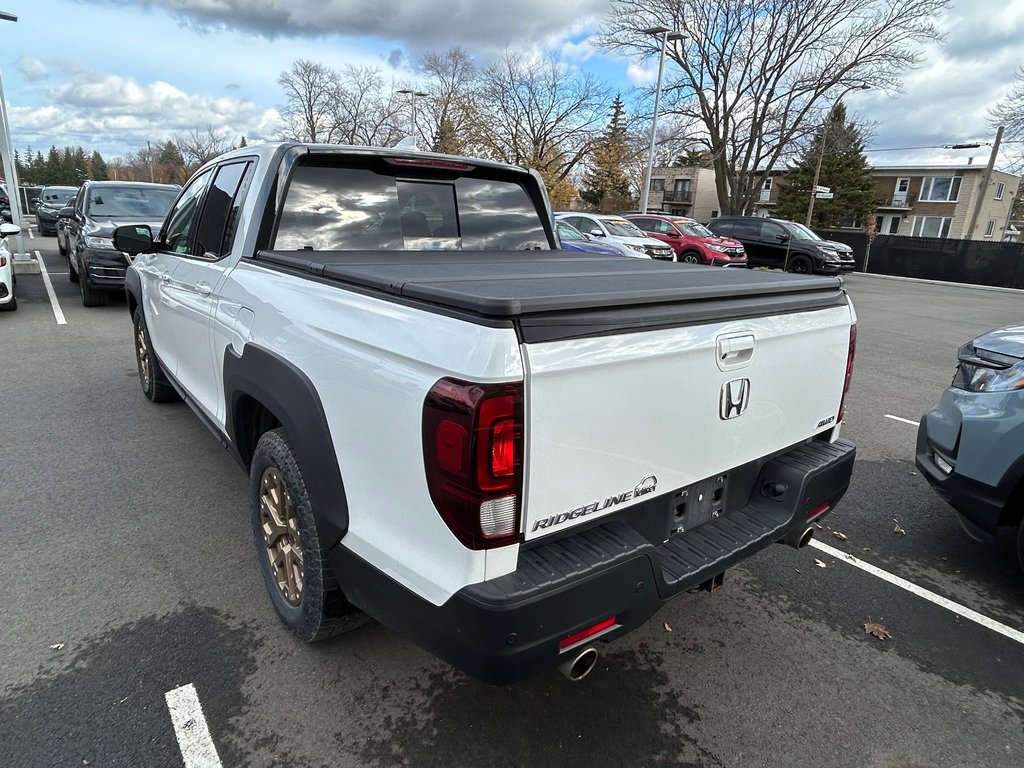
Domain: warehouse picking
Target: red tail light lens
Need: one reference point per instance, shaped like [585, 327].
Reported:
[849, 373]
[473, 458]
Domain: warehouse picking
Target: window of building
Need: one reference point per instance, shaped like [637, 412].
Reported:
[931, 226]
[940, 189]
[1000, 189]
[657, 185]
[714, 214]
[990, 228]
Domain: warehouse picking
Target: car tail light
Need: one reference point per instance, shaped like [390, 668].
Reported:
[849, 373]
[473, 457]
[3, 261]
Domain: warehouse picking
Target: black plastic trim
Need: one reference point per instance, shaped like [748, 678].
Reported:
[290, 396]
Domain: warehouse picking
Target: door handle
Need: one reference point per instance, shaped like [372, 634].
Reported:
[164, 276]
[203, 288]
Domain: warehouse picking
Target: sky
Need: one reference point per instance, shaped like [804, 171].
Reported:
[111, 75]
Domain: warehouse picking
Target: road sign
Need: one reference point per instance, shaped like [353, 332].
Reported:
[824, 195]
[822, 189]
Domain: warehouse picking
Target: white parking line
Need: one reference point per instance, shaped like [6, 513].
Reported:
[57, 312]
[905, 421]
[949, 605]
[30, 235]
[190, 727]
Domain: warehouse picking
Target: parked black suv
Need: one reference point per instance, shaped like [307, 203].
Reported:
[87, 225]
[783, 244]
[51, 200]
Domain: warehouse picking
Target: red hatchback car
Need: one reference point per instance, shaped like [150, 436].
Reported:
[692, 241]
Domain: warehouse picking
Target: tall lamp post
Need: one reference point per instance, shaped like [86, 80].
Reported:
[821, 149]
[10, 171]
[412, 96]
[666, 34]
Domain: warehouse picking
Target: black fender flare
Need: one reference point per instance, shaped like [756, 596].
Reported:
[132, 290]
[285, 391]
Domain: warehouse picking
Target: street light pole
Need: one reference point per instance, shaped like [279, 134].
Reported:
[412, 96]
[821, 149]
[10, 170]
[665, 33]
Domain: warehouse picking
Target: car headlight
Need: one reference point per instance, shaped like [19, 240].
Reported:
[636, 247]
[719, 248]
[99, 242]
[828, 254]
[975, 374]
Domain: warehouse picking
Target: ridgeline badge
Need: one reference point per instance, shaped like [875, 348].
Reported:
[645, 486]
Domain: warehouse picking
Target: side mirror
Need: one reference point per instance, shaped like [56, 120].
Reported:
[9, 229]
[67, 212]
[597, 232]
[782, 238]
[134, 239]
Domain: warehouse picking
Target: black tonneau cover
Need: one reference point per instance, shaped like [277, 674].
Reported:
[560, 294]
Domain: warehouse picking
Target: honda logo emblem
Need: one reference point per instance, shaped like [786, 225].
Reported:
[735, 398]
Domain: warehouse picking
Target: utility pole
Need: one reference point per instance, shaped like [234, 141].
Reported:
[985, 179]
[10, 169]
[149, 154]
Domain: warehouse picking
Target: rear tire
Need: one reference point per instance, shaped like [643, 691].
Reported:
[11, 305]
[1020, 543]
[155, 385]
[800, 265]
[299, 580]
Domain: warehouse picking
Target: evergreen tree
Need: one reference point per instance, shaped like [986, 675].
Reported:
[446, 140]
[606, 185]
[98, 167]
[844, 169]
[243, 143]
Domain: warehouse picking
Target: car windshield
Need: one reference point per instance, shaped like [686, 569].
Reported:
[59, 196]
[802, 232]
[108, 202]
[567, 231]
[693, 228]
[622, 228]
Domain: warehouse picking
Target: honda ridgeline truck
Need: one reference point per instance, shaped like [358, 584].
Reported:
[504, 451]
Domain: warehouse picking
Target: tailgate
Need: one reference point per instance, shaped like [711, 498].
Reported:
[611, 419]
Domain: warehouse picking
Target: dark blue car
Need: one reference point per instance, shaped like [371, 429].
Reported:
[574, 240]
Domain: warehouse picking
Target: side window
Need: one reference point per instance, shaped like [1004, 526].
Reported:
[215, 232]
[746, 228]
[647, 225]
[772, 232]
[177, 233]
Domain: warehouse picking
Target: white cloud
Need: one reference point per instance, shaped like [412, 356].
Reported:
[640, 75]
[117, 114]
[32, 69]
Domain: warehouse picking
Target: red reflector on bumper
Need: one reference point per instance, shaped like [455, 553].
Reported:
[589, 632]
[817, 511]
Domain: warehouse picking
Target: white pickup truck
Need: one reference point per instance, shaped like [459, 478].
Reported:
[504, 451]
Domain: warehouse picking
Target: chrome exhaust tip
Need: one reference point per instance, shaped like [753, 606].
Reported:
[580, 665]
[798, 539]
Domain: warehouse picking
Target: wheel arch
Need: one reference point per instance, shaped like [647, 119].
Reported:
[133, 291]
[264, 391]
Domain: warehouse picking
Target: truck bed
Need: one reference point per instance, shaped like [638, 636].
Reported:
[561, 294]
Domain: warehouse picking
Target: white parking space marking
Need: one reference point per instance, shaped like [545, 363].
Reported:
[30, 235]
[190, 727]
[949, 605]
[57, 312]
[905, 421]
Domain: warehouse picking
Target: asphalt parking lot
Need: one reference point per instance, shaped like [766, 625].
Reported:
[129, 573]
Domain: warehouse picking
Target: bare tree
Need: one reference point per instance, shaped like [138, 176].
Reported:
[1009, 113]
[449, 112]
[366, 110]
[196, 147]
[760, 75]
[535, 112]
[310, 90]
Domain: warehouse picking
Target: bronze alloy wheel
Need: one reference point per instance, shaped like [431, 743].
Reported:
[280, 525]
[142, 350]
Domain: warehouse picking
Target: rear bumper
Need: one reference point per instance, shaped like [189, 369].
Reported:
[510, 628]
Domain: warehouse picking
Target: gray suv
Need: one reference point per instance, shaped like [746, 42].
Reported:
[970, 447]
[782, 244]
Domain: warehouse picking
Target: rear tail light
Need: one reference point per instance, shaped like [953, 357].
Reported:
[473, 457]
[849, 373]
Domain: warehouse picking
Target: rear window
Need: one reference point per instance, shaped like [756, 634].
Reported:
[344, 208]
